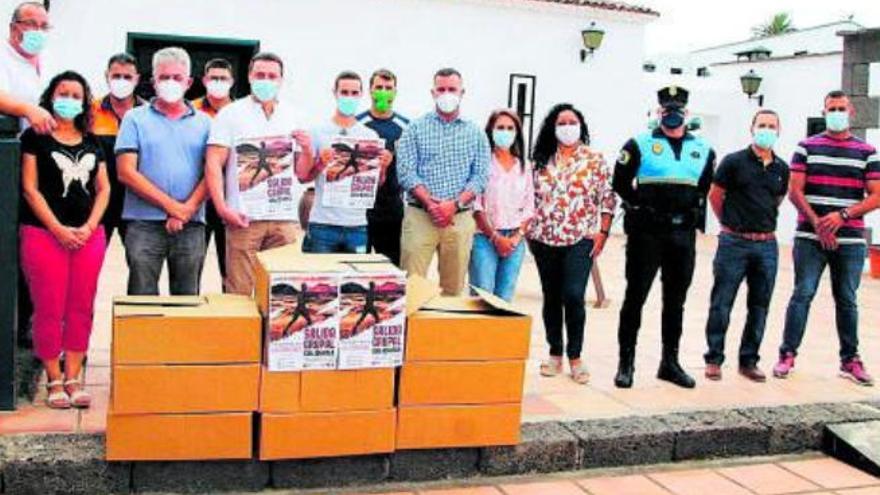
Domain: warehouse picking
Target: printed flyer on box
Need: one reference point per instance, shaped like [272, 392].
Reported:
[303, 322]
[372, 320]
[352, 173]
[266, 177]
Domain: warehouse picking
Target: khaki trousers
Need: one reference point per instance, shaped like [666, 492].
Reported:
[242, 246]
[421, 239]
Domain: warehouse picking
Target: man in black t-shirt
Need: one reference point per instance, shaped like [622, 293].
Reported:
[746, 192]
[385, 219]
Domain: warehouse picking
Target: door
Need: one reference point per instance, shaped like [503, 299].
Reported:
[521, 98]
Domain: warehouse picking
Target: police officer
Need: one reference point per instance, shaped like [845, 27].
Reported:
[663, 177]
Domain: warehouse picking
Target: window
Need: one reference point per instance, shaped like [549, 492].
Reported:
[521, 97]
[649, 67]
[703, 72]
[815, 125]
[676, 71]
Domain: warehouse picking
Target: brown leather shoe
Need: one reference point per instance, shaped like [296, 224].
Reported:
[753, 373]
[713, 372]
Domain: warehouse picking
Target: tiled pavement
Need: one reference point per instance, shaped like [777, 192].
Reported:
[820, 475]
[559, 398]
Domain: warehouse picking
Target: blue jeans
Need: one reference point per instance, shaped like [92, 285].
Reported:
[148, 246]
[845, 265]
[490, 272]
[735, 260]
[337, 239]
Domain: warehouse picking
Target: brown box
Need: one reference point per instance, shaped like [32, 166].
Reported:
[461, 382]
[280, 391]
[310, 435]
[347, 390]
[150, 389]
[178, 437]
[186, 330]
[431, 427]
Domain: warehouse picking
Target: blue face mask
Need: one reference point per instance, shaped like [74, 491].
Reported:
[503, 138]
[264, 89]
[33, 41]
[673, 119]
[765, 138]
[837, 121]
[348, 105]
[67, 108]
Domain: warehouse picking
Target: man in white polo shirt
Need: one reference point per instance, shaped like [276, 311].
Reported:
[21, 68]
[251, 140]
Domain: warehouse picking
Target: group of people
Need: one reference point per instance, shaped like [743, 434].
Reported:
[163, 174]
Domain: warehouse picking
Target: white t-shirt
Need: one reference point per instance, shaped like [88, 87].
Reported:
[19, 78]
[342, 217]
[245, 119]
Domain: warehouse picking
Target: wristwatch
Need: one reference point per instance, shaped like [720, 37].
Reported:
[844, 214]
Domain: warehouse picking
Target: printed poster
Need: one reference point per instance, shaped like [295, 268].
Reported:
[372, 320]
[303, 322]
[351, 176]
[266, 177]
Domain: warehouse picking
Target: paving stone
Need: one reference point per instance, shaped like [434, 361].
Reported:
[425, 465]
[851, 412]
[331, 472]
[545, 448]
[200, 477]
[624, 441]
[707, 434]
[70, 464]
[792, 428]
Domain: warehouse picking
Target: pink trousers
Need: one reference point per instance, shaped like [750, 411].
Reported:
[62, 284]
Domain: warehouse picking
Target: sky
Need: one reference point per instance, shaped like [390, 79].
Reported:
[686, 25]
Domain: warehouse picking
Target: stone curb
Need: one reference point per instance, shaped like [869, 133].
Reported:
[75, 463]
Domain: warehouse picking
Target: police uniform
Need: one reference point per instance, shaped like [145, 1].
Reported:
[663, 182]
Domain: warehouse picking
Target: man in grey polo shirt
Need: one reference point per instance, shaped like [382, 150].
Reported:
[160, 150]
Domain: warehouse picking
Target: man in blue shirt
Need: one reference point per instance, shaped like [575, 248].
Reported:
[160, 150]
[443, 165]
[385, 220]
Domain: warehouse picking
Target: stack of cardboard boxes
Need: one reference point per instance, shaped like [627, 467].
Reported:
[461, 384]
[185, 378]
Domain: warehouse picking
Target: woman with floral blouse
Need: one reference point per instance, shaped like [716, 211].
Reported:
[574, 204]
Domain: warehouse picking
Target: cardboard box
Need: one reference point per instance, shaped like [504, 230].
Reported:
[372, 319]
[347, 390]
[431, 427]
[280, 391]
[186, 329]
[482, 328]
[178, 437]
[463, 382]
[310, 435]
[185, 388]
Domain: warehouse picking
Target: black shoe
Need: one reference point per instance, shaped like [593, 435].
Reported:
[625, 370]
[671, 371]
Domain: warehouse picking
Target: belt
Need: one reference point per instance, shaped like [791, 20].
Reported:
[750, 236]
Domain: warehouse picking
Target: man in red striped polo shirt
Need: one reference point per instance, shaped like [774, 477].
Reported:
[830, 175]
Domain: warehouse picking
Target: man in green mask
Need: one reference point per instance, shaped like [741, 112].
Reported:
[385, 219]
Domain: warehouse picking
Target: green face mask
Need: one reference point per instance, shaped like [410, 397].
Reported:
[382, 100]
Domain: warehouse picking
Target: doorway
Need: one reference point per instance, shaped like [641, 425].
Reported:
[521, 98]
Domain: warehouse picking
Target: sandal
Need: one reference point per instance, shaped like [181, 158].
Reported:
[58, 399]
[551, 367]
[580, 374]
[79, 398]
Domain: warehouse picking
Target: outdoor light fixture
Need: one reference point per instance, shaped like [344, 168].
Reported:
[592, 38]
[751, 83]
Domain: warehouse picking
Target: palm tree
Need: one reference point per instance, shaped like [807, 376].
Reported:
[781, 23]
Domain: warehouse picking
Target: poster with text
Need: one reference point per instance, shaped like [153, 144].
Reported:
[351, 174]
[266, 178]
[372, 320]
[303, 326]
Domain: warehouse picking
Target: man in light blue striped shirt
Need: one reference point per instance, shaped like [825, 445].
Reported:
[443, 164]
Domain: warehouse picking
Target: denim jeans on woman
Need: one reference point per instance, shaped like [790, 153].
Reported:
[735, 260]
[564, 271]
[845, 264]
[148, 246]
[493, 273]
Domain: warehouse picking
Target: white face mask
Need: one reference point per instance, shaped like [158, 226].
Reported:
[568, 134]
[170, 91]
[448, 102]
[218, 89]
[121, 88]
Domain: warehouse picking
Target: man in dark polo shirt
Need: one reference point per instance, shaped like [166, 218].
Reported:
[746, 192]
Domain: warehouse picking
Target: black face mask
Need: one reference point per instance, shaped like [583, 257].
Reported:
[673, 119]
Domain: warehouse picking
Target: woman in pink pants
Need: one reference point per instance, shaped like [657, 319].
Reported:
[66, 190]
